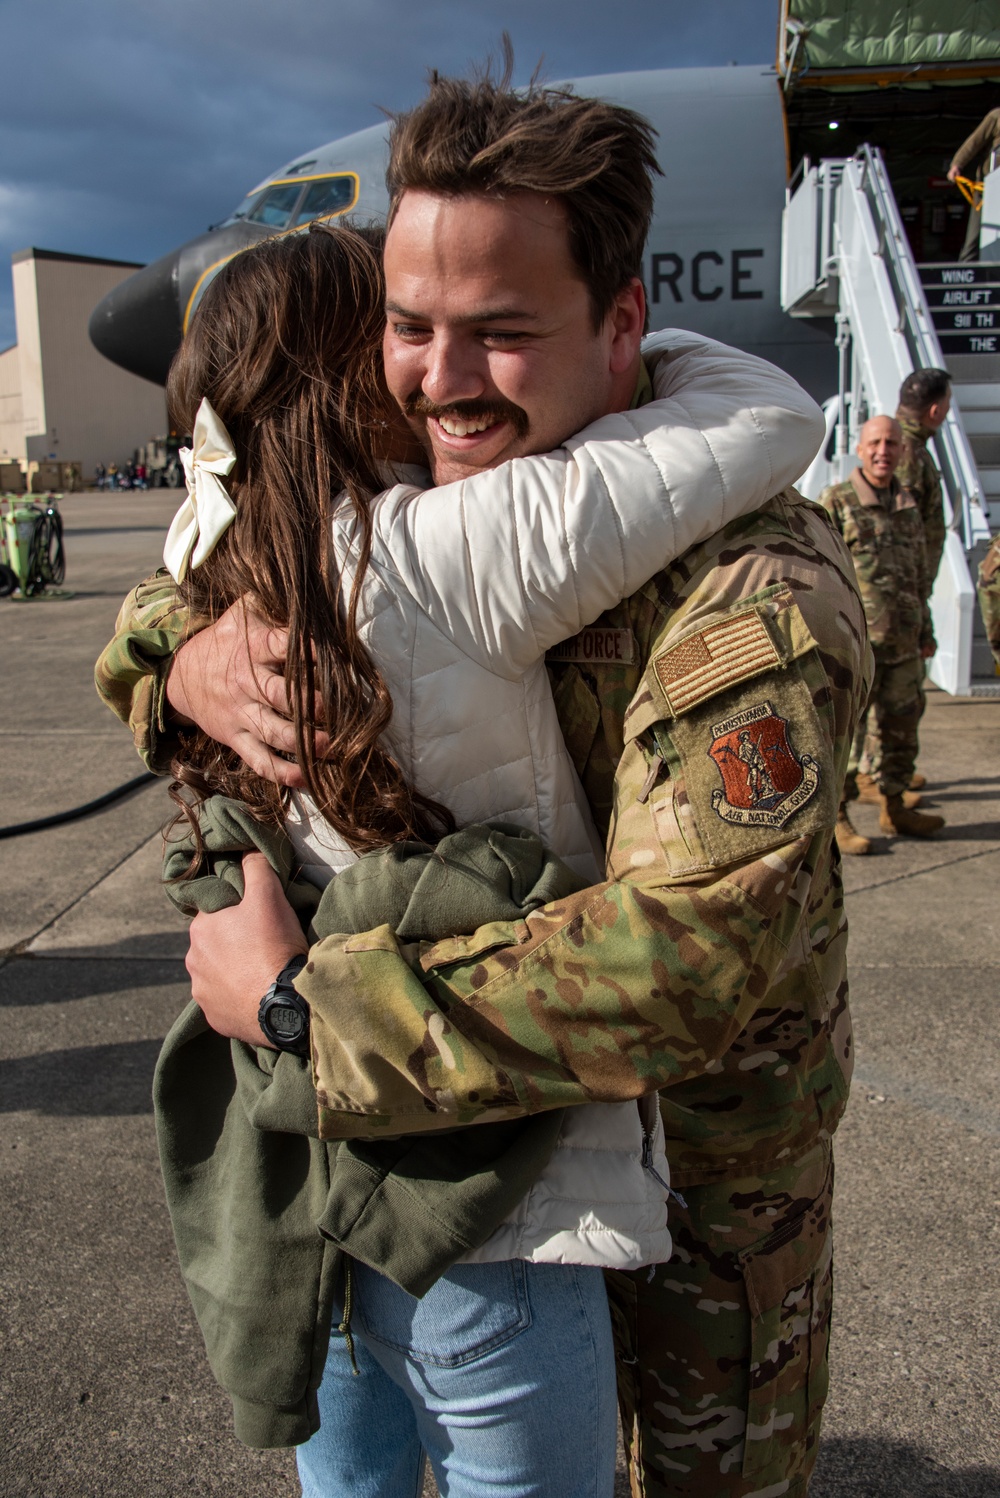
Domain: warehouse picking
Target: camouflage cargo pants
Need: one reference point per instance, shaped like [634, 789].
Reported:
[886, 740]
[722, 1352]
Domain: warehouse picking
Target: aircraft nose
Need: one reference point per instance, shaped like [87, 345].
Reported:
[138, 325]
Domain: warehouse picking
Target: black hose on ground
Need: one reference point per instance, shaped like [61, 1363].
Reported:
[60, 817]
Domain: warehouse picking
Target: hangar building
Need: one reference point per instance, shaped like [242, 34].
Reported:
[58, 396]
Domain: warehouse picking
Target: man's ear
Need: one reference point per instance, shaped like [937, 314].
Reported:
[626, 321]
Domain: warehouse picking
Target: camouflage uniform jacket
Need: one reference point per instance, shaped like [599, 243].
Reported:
[989, 595]
[712, 963]
[131, 674]
[885, 536]
[977, 149]
[918, 473]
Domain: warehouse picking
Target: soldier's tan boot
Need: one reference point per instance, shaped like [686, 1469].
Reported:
[849, 841]
[917, 781]
[895, 817]
[869, 793]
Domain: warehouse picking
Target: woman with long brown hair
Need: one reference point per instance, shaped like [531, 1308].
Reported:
[287, 347]
[418, 622]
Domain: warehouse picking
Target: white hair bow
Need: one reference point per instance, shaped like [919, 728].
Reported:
[208, 511]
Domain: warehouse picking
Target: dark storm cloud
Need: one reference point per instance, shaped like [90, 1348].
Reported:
[132, 125]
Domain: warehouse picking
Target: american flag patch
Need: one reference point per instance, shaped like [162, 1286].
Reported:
[717, 657]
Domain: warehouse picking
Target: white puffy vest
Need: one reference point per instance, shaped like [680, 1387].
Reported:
[467, 587]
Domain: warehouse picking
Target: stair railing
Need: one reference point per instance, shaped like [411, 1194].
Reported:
[848, 227]
[915, 326]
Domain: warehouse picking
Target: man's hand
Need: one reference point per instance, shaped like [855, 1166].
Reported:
[952, 173]
[236, 954]
[927, 651]
[229, 680]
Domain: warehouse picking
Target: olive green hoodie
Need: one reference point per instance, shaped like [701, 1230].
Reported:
[264, 1214]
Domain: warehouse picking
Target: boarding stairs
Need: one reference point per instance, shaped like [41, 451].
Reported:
[845, 255]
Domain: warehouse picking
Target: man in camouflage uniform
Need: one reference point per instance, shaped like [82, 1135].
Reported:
[924, 402]
[976, 157]
[882, 526]
[711, 964]
[989, 596]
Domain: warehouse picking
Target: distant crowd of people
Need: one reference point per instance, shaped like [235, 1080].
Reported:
[163, 472]
[132, 476]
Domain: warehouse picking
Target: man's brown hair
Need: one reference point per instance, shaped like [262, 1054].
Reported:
[480, 136]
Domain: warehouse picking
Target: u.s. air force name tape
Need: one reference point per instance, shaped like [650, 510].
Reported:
[595, 646]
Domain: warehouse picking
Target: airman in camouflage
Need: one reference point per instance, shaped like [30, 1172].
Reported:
[881, 524]
[924, 403]
[989, 596]
[712, 965]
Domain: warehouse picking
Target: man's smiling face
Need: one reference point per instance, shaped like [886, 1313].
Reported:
[490, 346]
[880, 445]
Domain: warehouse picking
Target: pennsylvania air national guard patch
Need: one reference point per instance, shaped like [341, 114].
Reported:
[765, 782]
[730, 747]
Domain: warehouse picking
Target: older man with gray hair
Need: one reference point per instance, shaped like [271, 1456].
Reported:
[881, 523]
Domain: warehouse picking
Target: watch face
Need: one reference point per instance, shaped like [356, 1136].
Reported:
[285, 1021]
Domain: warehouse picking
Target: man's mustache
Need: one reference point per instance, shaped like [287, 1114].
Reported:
[492, 412]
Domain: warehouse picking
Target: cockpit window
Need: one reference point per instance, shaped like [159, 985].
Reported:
[244, 208]
[329, 195]
[276, 206]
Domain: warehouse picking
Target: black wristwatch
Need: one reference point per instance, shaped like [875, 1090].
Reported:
[284, 1014]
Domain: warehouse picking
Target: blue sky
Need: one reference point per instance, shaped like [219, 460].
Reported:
[128, 126]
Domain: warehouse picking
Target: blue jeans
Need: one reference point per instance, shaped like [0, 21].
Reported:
[503, 1373]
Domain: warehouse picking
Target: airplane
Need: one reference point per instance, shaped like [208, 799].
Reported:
[713, 257]
[858, 117]
[729, 141]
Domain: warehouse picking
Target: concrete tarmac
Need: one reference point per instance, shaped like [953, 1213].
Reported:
[104, 1388]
